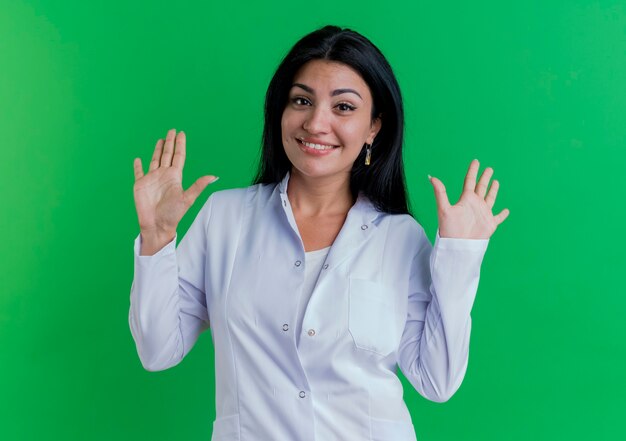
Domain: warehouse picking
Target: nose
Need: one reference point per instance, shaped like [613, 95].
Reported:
[317, 121]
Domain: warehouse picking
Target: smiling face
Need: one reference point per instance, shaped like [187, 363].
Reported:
[327, 119]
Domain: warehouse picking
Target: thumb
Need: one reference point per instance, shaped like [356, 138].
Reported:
[440, 193]
[197, 187]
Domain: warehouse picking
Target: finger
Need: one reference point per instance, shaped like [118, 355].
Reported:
[501, 216]
[168, 149]
[440, 194]
[197, 187]
[156, 156]
[470, 177]
[138, 169]
[493, 192]
[180, 151]
[481, 188]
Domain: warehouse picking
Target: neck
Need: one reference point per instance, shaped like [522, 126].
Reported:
[319, 196]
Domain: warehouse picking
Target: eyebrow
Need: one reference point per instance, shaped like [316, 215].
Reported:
[334, 92]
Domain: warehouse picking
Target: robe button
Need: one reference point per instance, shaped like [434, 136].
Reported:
[325, 266]
[285, 327]
[363, 227]
[302, 394]
[311, 332]
[298, 263]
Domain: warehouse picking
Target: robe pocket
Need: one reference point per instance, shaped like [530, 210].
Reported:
[372, 320]
[386, 430]
[226, 428]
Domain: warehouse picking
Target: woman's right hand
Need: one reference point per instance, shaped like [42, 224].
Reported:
[160, 199]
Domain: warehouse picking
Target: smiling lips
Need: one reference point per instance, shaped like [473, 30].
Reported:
[316, 146]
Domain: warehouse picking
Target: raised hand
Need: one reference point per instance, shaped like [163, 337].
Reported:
[160, 199]
[471, 217]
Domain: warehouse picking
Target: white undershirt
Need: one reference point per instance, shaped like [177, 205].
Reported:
[313, 261]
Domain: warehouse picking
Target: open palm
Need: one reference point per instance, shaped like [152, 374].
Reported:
[160, 199]
[471, 217]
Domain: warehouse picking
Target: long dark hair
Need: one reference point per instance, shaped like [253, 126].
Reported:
[383, 180]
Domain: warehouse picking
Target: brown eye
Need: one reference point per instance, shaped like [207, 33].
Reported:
[300, 101]
[345, 107]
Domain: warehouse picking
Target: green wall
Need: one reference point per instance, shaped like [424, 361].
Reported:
[534, 89]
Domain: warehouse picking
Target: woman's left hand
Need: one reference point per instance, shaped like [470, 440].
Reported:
[471, 216]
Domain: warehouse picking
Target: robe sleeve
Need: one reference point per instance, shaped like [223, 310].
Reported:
[168, 302]
[434, 349]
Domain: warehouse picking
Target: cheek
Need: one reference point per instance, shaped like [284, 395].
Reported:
[354, 132]
[284, 128]
[287, 122]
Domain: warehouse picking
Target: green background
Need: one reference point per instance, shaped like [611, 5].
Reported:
[534, 89]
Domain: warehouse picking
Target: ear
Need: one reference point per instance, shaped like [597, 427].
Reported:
[374, 129]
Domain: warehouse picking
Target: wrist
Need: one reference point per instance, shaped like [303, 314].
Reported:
[156, 233]
[153, 241]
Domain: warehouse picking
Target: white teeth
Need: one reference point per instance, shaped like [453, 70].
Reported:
[317, 146]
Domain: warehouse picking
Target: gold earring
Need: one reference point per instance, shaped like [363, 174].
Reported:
[368, 154]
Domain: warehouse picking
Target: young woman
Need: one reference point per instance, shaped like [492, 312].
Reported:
[315, 281]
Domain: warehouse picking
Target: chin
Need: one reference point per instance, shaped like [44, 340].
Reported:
[318, 172]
